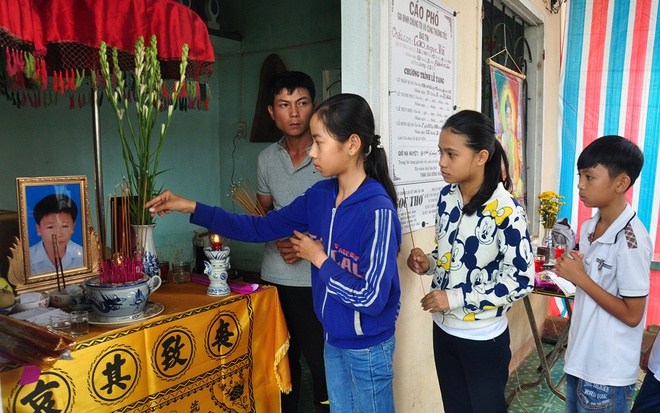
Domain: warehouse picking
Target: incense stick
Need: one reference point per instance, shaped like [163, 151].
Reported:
[58, 263]
[244, 196]
[405, 202]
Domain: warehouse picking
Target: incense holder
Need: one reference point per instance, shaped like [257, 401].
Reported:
[114, 302]
[216, 269]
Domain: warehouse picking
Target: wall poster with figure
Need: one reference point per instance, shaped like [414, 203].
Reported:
[507, 108]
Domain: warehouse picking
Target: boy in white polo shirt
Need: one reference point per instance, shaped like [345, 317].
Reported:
[611, 271]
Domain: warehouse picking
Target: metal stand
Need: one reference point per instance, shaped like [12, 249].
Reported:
[547, 360]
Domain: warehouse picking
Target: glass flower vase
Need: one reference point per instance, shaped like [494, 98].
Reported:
[547, 242]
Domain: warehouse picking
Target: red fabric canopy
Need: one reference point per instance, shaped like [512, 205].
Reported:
[62, 37]
[120, 24]
[20, 26]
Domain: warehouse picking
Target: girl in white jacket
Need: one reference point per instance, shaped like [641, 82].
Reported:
[481, 265]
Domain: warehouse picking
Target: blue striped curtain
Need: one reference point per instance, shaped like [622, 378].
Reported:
[610, 85]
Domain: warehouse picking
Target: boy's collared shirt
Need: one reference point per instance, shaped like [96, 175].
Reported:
[40, 263]
[601, 348]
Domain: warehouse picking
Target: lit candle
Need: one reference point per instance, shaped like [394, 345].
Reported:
[216, 242]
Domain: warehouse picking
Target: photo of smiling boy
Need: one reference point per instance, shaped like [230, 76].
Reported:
[55, 215]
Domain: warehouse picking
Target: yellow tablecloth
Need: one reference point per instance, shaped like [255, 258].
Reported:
[202, 354]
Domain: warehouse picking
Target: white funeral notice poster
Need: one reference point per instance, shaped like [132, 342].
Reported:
[422, 66]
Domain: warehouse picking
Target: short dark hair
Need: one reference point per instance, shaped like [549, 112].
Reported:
[616, 154]
[290, 81]
[54, 204]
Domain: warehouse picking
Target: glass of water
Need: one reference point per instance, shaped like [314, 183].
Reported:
[79, 323]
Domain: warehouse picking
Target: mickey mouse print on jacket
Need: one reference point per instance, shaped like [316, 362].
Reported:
[486, 258]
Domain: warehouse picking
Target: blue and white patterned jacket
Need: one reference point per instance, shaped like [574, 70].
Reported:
[484, 261]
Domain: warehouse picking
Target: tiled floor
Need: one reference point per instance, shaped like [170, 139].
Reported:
[538, 399]
[535, 400]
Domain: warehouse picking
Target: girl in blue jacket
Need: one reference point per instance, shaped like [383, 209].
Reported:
[353, 236]
[481, 265]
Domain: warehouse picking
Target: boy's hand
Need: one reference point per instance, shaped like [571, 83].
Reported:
[644, 360]
[167, 202]
[285, 247]
[570, 267]
[418, 261]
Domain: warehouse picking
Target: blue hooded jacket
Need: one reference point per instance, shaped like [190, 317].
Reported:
[356, 292]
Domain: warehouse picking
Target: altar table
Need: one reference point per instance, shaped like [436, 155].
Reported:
[201, 354]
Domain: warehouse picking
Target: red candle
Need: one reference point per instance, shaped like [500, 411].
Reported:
[216, 242]
[539, 261]
[559, 250]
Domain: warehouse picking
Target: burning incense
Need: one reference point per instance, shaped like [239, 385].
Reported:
[405, 202]
[125, 264]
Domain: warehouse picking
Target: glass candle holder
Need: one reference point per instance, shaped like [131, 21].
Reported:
[216, 242]
[539, 262]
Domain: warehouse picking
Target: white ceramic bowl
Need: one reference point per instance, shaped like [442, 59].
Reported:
[60, 299]
[113, 302]
[79, 302]
[7, 310]
[20, 306]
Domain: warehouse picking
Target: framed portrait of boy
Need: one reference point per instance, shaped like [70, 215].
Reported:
[54, 230]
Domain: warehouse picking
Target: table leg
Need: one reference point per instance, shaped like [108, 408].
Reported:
[545, 370]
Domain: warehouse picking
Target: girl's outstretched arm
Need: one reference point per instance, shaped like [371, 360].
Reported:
[168, 202]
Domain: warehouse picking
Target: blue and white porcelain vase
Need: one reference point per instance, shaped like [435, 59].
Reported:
[144, 245]
[216, 268]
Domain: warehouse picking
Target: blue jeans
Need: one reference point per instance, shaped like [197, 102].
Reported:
[360, 380]
[585, 397]
[648, 398]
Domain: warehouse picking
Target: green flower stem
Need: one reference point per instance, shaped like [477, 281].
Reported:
[141, 161]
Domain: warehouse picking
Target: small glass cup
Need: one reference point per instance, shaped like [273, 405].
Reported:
[559, 250]
[164, 270]
[181, 272]
[539, 262]
[79, 323]
[61, 322]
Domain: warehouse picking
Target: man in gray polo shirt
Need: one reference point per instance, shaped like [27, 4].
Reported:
[285, 171]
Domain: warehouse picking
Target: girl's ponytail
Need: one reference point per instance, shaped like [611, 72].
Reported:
[376, 167]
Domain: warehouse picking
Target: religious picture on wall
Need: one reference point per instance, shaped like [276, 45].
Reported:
[507, 101]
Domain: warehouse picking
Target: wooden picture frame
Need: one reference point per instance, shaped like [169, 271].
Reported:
[60, 204]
